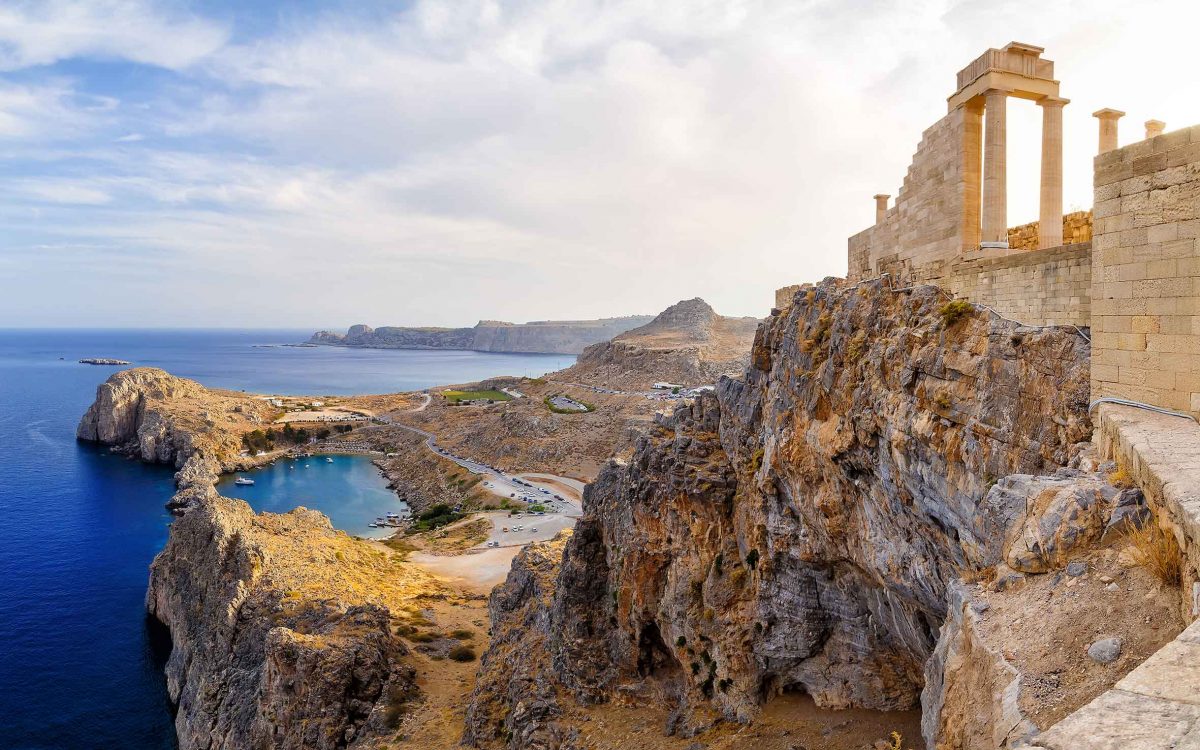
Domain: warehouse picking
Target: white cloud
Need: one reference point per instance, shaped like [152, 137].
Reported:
[41, 32]
[524, 160]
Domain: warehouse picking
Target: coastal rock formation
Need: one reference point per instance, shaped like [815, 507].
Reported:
[160, 418]
[281, 629]
[801, 529]
[539, 336]
[688, 344]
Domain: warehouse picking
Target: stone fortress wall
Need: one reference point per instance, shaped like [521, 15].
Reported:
[1077, 228]
[1146, 272]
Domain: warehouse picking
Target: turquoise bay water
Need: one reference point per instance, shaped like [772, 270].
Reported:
[80, 665]
[348, 489]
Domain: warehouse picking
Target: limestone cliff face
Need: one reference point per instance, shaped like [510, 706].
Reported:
[688, 343]
[799, 530]
[544, 336]
[161, 418]
[280, 628]
[123, 415]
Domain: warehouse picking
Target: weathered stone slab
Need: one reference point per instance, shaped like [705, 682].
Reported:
[1120, 720]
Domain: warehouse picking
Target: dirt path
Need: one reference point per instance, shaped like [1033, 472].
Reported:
[475, 571]
[428, 400]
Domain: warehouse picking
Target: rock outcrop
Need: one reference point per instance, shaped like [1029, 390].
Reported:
[281, 629]
[687, 344]
[801, 529]
[539, 336]
[160, 418]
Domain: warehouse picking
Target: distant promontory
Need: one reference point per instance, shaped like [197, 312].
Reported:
[536, 337]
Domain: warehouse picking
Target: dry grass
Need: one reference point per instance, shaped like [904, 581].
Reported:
[1157, 551]
[985, 576]
[1120, 478]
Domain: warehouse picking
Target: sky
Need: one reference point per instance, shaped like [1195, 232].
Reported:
[318, 164]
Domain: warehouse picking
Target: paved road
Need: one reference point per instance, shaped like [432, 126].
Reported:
[501, 484]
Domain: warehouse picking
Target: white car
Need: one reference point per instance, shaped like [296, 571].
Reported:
[534, 529]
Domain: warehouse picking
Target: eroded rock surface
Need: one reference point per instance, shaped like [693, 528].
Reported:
[799, 530]
[281, 628]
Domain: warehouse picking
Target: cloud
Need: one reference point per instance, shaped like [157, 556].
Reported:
[42, 32]
[520, 160]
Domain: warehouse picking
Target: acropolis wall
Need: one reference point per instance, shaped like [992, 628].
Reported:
[1146, 272]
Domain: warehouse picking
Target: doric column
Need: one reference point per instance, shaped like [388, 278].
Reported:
[972, 179]
[1050, 217]
[995, 180]
[1154, 127]
[1108, 128]
[880, 207]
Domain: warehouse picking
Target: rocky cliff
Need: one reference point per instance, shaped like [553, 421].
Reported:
[543, 336]
[160, 418]
[688, 343]
[283, 629]
[801, 529]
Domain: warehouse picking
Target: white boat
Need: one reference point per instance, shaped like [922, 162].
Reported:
[328, 460]
[243, 481]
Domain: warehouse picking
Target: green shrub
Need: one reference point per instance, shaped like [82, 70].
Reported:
[462, 634]
[955, 310]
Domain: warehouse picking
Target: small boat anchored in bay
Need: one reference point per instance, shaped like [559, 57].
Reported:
[244, 482]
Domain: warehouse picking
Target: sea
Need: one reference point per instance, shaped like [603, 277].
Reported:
[81, 666]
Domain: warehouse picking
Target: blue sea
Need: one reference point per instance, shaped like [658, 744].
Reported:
[80, 665]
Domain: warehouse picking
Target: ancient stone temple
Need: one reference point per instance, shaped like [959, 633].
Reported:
[949, 223]
[1132, 277]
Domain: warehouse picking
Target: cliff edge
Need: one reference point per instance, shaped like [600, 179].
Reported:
[802, 529]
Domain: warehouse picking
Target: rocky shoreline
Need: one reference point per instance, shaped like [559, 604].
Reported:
[283, 629]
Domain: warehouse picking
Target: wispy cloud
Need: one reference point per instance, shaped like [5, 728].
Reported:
[42, 32]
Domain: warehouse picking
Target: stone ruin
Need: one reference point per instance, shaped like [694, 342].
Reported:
[1127, 272]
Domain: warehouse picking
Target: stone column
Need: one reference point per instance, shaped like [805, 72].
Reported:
[880, 207]
[995, 179]
[1050, 217]
[1154, 127]
[972, 179]
[1108, 128]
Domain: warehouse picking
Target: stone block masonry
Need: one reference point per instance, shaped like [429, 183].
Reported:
[1039, 287]
[1146, 272]
[1076, 228]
